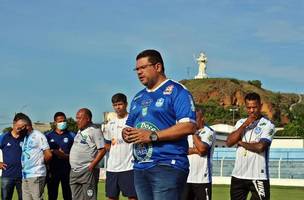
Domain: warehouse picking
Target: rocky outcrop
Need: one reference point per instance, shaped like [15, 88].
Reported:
[231, 92]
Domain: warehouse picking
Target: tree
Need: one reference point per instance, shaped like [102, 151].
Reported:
[7, 129]
[296, 126]
[256, 83]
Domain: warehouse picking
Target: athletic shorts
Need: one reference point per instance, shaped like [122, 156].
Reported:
[117, 182]
[239, 189]
[201, 191]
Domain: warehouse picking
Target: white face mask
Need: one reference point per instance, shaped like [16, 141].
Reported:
[62, 125]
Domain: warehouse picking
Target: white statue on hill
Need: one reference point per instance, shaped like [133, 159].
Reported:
[201, 60]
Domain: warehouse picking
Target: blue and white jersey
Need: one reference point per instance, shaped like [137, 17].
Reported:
[201, 166]
[11, 153]
[248, 164]
[32, 158]
[64, 142]
[165, 106]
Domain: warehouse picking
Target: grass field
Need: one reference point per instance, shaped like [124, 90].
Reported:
[221, 192]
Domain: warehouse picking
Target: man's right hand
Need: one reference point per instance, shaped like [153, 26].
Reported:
[251, 118]
[126, 134]
[3, 166]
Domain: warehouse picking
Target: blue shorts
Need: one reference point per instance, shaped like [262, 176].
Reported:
[117, 182]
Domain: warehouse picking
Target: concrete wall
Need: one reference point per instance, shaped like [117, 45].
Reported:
[287, 143]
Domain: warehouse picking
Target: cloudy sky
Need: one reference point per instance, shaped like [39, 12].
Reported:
[64, 55]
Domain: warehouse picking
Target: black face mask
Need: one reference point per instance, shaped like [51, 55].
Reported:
[23, 131]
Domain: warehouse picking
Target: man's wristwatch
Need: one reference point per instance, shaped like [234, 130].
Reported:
[153, 136]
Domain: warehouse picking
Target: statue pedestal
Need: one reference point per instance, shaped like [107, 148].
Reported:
[201, 75]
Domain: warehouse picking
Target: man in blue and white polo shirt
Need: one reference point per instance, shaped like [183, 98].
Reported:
[160, 118]
[253, 136]
[10, 144]
[35, 153]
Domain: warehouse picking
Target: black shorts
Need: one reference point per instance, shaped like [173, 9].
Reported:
[201, 191]
[117, 182]
[239, 189]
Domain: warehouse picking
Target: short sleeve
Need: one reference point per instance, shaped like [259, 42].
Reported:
[1, 140]
[106, 132]
[239, 124]
[206, 136]
[98, 138]
[184, 107]
[44, 145]
[267, 132]
[131, 118]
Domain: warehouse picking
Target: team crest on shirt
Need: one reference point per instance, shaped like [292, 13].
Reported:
[159, 102]
[90, 192]
[168, 90]
[258, 130]
[144, 111]
[65, 140]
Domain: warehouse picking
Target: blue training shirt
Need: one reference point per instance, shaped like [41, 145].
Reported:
[64, 142]
[11, 151]
[160, 109]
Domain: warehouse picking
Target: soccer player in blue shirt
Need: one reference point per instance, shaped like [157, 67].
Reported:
[161, 116]
[60, 141]
[10, 144]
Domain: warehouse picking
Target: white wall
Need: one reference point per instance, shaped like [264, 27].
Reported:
[287, 143]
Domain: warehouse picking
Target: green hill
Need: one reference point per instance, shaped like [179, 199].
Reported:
[220, 94]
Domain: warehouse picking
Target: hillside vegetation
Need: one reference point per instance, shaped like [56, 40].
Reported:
[218, 95]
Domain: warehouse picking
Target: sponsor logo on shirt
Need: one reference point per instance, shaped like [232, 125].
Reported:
[271, 132]
[168, 90]
[210, 138]
[8, 144]
[159, 102]
[146, 102]
[263, 124]
[52, 140]
[143, 152]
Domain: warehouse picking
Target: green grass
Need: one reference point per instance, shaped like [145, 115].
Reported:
[220, 192]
